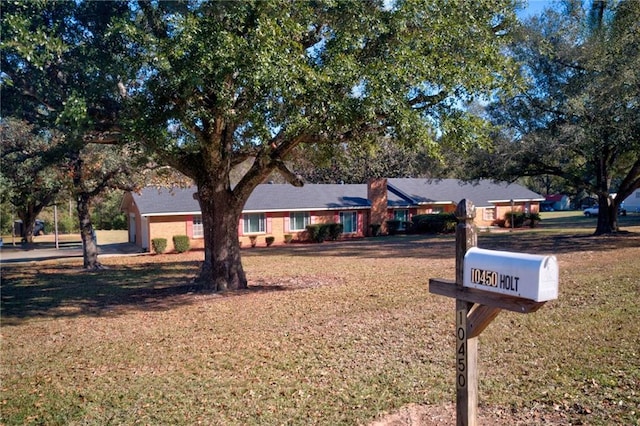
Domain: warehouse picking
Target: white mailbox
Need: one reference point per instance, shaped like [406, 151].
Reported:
[527, 276]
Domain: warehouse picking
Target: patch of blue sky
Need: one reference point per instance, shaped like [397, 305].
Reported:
[531, 8]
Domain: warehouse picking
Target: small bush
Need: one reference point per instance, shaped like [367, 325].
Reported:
[181, 243]
[438, 223]
[159, 245]
[313, 231]
[534, 219]
[375, 229]
[318, 233]
[288, 238]
[518, 219]
[334, 230]
[254, 240]
[269, 240]
[393, 226]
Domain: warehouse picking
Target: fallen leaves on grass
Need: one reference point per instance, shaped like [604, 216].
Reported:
[332, 334]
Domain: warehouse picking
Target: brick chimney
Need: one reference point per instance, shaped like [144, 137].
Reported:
[377, 195]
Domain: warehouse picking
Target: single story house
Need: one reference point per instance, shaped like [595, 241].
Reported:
[632, 202]
[280, 209]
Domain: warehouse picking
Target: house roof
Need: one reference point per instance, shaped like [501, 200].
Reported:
[484, 193]
[152, 201]
[284, 197]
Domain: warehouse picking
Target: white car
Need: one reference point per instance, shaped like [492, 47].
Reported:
[593, 211]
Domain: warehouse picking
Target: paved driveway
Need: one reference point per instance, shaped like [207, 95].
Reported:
[38, 252]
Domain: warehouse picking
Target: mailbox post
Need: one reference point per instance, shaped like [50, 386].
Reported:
[487, 282]
[466, 347]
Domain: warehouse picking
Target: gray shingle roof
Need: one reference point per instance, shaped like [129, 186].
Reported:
[157, 201]
[267, 197]
[283, 197]
[481, 193]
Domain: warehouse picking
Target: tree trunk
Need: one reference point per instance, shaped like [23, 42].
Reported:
[604, 225]
[87, 234]
[222, 268]
[28, 215]
[28, 220]
[613, 217]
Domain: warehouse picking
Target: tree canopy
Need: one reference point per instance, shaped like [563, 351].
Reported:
[30, 179]
[222, 83]
[579, 117]
[64, 72]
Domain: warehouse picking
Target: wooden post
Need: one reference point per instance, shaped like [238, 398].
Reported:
[475, 309]
[466, 347]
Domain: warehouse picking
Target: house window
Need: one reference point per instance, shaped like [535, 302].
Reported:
[298, 221]
[197, 230]
[489, 214]
[401, 215]
[436, 210]
[349, 221]
[253, 223]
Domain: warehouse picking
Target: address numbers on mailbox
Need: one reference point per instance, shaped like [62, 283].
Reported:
[527, 276]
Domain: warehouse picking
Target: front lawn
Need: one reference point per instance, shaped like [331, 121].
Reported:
[337, 333]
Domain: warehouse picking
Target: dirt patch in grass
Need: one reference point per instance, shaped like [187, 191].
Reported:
[445, 414]
[338, 333]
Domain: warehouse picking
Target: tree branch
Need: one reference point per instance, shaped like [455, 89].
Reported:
[423, 101]
[291, 177]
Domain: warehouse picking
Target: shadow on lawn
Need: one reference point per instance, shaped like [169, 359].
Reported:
[443, 246]
[65, 290]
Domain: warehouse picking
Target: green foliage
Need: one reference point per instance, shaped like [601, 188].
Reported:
[375, 229]
[254, 240]
[106, 213]
[65, 72]
[396, 226]
[181, 243]
[30, 177]
[226, 74]
[515, 219]
[317, 233]
[67, 224]
[393, 226]
[269, 240]
[324, 231]
[334, 231]
[434, 223]
[159, 245]
[288, 238]
[578, 118]
[384, 158]
[534, 219]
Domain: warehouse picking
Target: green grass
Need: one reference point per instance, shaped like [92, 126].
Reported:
[337, 333]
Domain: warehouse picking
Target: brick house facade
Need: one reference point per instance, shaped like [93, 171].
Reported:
[278, 210]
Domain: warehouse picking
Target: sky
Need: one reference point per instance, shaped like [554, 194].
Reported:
[535, 7]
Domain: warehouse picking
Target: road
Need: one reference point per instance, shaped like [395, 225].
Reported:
[47, 251]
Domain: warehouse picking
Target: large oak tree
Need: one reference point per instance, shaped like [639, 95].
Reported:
[221, 83]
